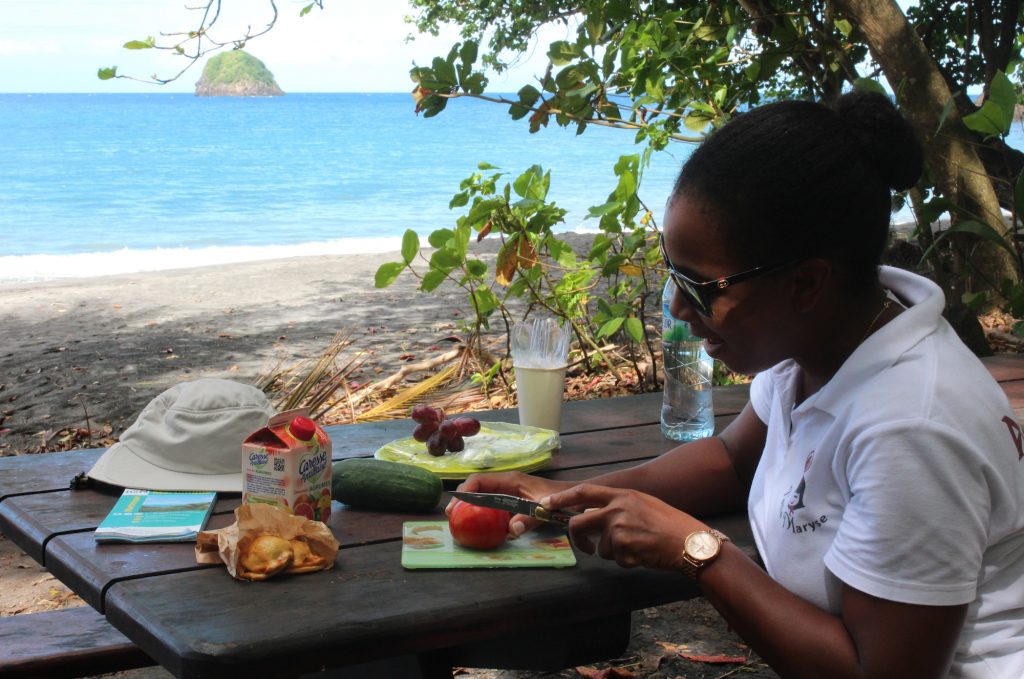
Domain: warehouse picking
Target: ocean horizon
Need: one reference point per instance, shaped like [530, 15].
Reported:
[103, 184]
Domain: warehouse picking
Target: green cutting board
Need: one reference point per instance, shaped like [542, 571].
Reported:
[429, 544]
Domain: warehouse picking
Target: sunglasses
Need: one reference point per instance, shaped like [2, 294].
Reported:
[700, 295]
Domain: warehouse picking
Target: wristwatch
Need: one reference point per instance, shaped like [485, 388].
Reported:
[699, 549]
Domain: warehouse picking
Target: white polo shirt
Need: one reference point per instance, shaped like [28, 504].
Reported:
[902, 477]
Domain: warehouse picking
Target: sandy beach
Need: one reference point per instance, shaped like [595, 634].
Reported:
[107, 345]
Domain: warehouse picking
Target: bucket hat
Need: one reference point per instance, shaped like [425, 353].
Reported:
[187, 438]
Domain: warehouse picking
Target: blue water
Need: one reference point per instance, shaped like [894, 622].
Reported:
[115, 182]
[111, 183]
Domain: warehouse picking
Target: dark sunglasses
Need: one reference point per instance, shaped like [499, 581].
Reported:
[699, 294]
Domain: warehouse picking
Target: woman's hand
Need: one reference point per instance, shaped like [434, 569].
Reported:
[630, 528]
[512, 483]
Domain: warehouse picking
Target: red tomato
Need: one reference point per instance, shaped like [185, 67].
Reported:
[478, 527]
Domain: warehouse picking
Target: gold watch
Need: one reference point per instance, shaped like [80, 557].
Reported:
[701, 548]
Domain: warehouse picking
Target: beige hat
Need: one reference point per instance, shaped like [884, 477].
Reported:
[187, 438]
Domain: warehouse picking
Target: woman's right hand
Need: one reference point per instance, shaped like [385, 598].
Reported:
[512, 483]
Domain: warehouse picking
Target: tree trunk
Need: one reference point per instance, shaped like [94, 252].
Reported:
[922, 94]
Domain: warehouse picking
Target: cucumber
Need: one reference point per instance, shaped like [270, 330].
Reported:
[368, 483]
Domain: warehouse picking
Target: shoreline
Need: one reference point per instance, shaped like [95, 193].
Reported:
[20, 271]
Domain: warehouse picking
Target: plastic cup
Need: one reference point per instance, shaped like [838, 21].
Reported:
[539, 391]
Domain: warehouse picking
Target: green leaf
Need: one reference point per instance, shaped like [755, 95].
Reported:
[931, 210]
[561, 53]
[529, 184]
[696, 121]
[868, 85]
[752, 71]
[305, 10]
[146, 44]
[468, 52]
[705, 33]
[844, 26]
[979, 229]
[609, 208]
[107, 73]
[475, 83]
[974, 300]
[482, 211]
[431, 280]
[946, 109]
[610, 328]
[601, 245]
[387, 273]
[487, 166]
[476, 268]
[988, 120]
[410, 245]
[438, 238]
[444, 72]
[444, 260]
[635, 329]
[1001, 92]
[485, 300]
[458, 200]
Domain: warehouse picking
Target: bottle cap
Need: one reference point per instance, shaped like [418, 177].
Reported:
[302, 428]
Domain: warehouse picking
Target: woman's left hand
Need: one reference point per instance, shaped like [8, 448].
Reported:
[630, 528]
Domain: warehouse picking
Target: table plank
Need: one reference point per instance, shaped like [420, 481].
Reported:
[22, 474]
[217, 625]
[48, 472]
[30, 521]
[1005, 367]
[1014, 393]
[88, 567]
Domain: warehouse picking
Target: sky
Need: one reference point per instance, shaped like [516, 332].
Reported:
[348, 46]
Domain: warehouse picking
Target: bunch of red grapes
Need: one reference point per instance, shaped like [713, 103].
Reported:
[440, 434]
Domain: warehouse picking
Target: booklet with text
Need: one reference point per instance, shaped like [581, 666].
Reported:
[156, 516]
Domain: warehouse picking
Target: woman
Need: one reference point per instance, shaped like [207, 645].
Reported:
[877, 457]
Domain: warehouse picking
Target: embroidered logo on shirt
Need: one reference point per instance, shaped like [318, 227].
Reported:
[793, 500]
[1016, 434]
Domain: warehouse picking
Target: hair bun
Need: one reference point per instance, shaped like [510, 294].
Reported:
[886, 140]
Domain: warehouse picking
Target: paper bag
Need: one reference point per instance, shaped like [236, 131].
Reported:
[311, 545]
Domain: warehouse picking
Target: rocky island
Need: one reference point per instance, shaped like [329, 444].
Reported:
[236, 74]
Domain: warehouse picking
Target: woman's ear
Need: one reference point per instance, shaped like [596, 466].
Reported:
[809, 281]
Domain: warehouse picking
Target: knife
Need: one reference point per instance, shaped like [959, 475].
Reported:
[516, 505]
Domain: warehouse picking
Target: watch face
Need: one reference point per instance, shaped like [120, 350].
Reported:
[702, 545]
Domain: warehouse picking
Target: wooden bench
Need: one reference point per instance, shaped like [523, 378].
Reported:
[71, 642]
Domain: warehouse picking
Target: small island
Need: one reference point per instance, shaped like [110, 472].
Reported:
[237, 74]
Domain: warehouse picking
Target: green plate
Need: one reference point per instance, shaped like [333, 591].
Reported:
[499, 447]
[429, 544]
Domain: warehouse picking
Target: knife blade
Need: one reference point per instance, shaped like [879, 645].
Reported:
[516, 505]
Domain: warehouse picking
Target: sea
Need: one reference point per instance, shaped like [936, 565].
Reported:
[100, 184]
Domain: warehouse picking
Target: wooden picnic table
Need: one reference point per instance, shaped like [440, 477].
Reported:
[367, 613]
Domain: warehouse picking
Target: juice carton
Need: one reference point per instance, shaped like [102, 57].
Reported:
[288, 464]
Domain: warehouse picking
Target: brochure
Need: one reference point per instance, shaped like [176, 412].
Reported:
[156, 516]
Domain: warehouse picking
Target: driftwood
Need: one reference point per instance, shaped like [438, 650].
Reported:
[403, 372]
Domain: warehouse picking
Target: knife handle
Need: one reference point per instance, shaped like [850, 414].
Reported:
[560, 516]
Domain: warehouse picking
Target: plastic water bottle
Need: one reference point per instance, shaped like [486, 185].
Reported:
[686, 409]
